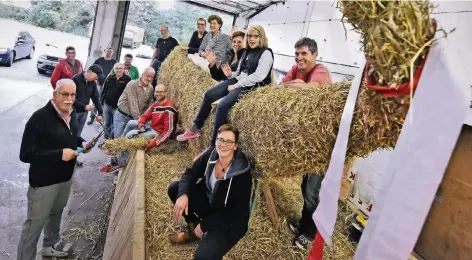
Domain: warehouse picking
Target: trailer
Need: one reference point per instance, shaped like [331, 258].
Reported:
[133, 37]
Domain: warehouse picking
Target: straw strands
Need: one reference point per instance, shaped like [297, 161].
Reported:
[123, 144]
[393, 34]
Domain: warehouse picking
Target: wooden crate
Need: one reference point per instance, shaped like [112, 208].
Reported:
[125, 237]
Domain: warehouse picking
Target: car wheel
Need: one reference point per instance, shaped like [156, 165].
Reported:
[40, 71]
[10, 60]
[31, 54]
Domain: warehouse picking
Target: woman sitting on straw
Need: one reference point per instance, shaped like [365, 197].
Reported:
[213, 196]
[254, 70]
[215, 41]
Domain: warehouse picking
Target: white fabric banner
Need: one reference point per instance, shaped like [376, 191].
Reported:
[418, 162]
[327, 210]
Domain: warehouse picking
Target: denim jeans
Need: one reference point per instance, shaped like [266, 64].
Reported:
[311, 186]
[131, 131]
[108, 114]
[81, 118]
[95, 111]
[213, 94]
[119, 123]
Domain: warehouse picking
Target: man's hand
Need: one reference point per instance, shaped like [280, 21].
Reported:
[99, 119]
[211, 57]
[226, 70]
[88, 107]
[68, 154]
[84, 145]
[198, 231]
[181, 205]
[231, 88]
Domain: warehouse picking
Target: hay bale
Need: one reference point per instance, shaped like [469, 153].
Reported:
[393, 33]
[123, 144]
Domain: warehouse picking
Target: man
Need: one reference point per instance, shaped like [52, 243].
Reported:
[106, 63]
[66, 68]
[86, 90]
[49, 142]
[136, 98]
[233, 56]
[163, 117]
[112, 90]
[129, 69]
[164, 47]
[306, 73]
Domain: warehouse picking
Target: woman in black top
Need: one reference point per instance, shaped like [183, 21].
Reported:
[213, 196]
[197, 36]
[233, 57]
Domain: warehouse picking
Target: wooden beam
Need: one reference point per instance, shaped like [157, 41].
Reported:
[271, 205]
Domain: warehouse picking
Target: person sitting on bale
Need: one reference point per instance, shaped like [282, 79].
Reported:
[163, 120]
[218, 42]
[306, 74]
[213, 196]
[233, 55]
[254, 71]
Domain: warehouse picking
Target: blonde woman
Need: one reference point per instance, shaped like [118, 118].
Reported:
[254, 70]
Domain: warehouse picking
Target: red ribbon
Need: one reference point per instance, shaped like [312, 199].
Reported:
[316, 252]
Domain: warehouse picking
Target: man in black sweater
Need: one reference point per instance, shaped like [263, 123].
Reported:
[164, 46]
[49, 142]
[86, 83]
[112, 90]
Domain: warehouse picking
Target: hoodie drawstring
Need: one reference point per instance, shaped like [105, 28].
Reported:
[227, 193]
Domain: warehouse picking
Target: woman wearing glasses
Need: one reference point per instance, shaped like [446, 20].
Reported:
[197, 36]
[213, 196]
[254, 70]
[216, 41]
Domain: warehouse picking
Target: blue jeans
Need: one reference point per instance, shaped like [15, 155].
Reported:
[108, 114]
[131, 131]
[119, 123]
[311, 186]
[81, 118]
[95, 111]
[213, 94]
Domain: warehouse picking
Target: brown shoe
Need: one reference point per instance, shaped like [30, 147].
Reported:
[185, 235]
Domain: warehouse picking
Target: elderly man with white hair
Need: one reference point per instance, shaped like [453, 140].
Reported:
[49, 145]
[112, 89]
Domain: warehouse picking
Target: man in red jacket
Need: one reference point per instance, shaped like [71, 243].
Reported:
[163, 120]
[66, 68]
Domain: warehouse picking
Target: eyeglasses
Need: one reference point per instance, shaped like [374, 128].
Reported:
[200, 24]
[66, 94]
[161, 92]
[255, 36]
[226, 142]
[71, 52]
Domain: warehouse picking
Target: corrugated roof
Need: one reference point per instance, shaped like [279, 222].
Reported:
[235, 7]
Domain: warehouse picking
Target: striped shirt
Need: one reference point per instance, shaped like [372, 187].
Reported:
[65, 116]
[220, 44]
[136, 98]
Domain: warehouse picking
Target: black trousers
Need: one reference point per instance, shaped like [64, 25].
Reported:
[215, 243]
[212, 95]
[311, 186]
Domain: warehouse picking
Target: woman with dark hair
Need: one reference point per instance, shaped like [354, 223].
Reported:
[216, 41]
[213, 196]
[197, 36]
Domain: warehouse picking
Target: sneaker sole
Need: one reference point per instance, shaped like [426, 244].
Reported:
[299, 246]
[54, 253]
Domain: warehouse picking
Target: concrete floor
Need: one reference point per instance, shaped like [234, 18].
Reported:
[92, 191]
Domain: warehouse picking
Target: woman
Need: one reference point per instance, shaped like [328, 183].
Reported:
[233, 55]
[215, 41]
[213, 196]
[197, 36]
[253, 71]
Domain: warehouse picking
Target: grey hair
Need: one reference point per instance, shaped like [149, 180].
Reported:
[167, 27]
[149, 69]
[308, 42]
[116, 64]
[62, 82]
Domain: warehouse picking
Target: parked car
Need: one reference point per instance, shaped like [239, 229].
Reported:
[144, 51]
[15, 46]
[48, 60]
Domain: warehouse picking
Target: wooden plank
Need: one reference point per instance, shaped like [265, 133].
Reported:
[270, 205]
[125, 237]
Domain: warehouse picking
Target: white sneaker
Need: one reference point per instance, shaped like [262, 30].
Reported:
[60, 249]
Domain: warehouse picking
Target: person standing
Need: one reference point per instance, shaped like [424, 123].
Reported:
[66, 68]
[164, 47]
[129, 69]
[197, 36]
[112, 90]
[49, 142]
[306, 73]
[106, 63]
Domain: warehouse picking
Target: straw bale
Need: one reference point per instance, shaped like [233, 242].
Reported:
[393, 34]
[123, 144]
[261, 241]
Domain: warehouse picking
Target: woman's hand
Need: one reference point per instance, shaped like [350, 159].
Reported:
[231, 88]
[226, 70]
[198, 231]
[211, 57]
[181, 205]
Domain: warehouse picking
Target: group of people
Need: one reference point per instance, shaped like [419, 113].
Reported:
[213, 194]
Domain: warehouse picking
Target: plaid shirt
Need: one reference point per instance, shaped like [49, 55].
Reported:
[136, 98]
[65, 116]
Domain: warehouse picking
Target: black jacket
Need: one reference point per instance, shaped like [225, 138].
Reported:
[45, 135]
[113, 88]
[217, 73]
[229, 199]
[195, 42]
[86, 90]
[107, 66]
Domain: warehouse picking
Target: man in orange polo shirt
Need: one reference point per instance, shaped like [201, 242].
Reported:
[306, 74]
